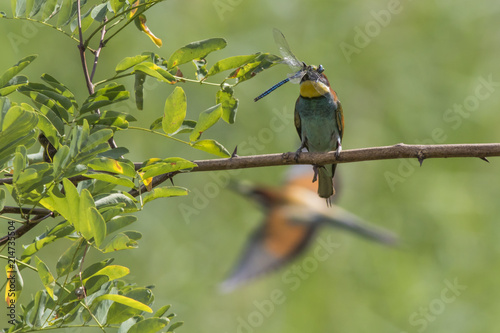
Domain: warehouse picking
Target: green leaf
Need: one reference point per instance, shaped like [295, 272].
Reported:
[116, 5]
[111, 200]
[155, 71]
[161, 311]
[115, 119]
[119, 222]
[164, 192]
[149, 325]
[34, 8]
[48, 9]
[92, 269]
[186, 127]
[230, 63]
[113, 272]
[120, 242]
[206, 120]
[201, 68]
[98, 225]
[175, 326]
[110, 94]
[248, 71]
[174, 111]
[33, 177]
[61, 160]
[130, 62]
[140, 78]
[18, 7]
[195, 50]
[18, 129]
[86, 19]
[53, 117]
[120, 312]
[111, 179]
[62, 90]
[229, 104]
[71, 211]
[88, 220]
[99, 12]
[127, 301]
[13, 84]
[64, 12]
[37, 246]
[11, 72]
[123, 167]
[44, 95]
[167, 165]
[71, 258]
[47, 278]
[95, 139]
[49, 130]
[212, 147]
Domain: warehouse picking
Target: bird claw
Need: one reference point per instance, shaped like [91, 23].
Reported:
[315, 169]
[297, 154]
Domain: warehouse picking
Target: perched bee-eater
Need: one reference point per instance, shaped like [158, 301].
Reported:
[320, 123]
[293, 213]
[318, 114]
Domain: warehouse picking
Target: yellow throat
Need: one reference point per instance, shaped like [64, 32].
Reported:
[310, 89]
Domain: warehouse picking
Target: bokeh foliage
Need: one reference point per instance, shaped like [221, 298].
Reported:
[429, 57]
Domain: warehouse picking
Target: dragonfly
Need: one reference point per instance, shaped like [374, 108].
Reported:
[299, 67]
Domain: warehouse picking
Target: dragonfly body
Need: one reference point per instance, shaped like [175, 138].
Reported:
[318, 113]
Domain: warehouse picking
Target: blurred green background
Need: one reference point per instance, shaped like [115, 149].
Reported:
[401, 77]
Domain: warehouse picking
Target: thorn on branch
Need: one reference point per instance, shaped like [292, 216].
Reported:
[485, 159]
[421, 157]
[235, 152]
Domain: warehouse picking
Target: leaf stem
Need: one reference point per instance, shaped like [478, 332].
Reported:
[48, 25]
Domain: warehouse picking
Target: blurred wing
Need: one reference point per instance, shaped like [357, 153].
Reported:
[298, 125]
[341, 218]
[258, 258]
[285, 51]
[339, 115]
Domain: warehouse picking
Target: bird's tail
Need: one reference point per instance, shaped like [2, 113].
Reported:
[325, 180]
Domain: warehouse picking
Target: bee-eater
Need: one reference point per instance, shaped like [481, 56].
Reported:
[318, 114]
[320, 123]
[293, 214]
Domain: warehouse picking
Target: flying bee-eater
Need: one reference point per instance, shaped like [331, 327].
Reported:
[292, 215]
[319, 118]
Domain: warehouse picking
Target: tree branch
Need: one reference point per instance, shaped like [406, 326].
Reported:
[421, 152]
[17, 210]
[25, 227]
[401, 150]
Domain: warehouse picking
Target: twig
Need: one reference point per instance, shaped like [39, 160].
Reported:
[17, 210]
[81, 48]
[98, 51]
[25, 227]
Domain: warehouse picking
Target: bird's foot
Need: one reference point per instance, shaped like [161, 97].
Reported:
[297, 154]
[315, 169]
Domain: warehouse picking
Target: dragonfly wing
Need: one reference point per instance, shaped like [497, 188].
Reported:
[285, 51]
